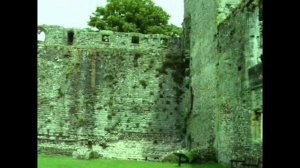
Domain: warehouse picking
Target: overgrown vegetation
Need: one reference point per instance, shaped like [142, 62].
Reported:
[178, 64]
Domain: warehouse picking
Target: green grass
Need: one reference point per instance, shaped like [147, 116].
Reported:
[68, 162]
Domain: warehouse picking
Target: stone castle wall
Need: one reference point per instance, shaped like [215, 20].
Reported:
[225, 43]
[123, 99]
[132, 96]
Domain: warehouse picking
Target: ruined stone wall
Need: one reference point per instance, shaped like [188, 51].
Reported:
[226, 77]
[240, 80]
[136, 96]
[200, 19]
[121, 99]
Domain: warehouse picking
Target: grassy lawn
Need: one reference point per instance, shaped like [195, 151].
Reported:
[68, 162]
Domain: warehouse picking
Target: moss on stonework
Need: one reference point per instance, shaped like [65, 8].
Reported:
[82, 121]
[177, 63]
[135, 59]
[144, 83]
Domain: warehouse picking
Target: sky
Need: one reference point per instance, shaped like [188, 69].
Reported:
[76, 13]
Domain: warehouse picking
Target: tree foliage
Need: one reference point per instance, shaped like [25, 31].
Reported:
[141, 16]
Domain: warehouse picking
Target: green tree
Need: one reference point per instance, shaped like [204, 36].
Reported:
[141, 16]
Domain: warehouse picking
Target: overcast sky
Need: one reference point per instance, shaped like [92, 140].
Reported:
[76, 13]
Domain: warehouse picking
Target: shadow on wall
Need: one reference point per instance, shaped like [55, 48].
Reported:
[166, 120]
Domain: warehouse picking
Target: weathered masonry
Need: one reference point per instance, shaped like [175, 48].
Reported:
[144, 96]
[118, 93]
[224, 38]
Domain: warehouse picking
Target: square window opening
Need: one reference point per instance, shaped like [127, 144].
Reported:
[135, 40]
